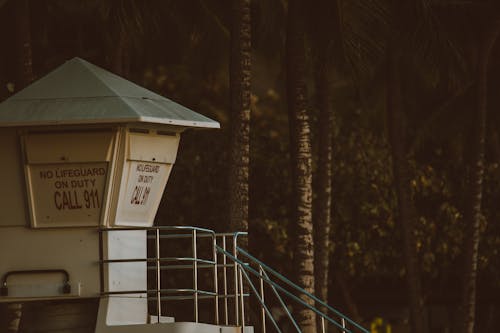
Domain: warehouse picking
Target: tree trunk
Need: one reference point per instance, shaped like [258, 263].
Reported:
[406, 210]
[24, 61]
[322, 219]
[301, 160]
[240, 75]
[472, 215]
[240, 85]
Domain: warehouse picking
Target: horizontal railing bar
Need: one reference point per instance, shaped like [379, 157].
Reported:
[185, 297]
[179, 236]
[207, 294]
[187, 266]
[225, 265]
[224, 234]
[154, 291]
[161, 228]
[186, 290]
[205, 261]
[190, 266]
[180, 297]
[124, 292]
[185, 227]
[232, 296]
[126, 229]
[109, 261]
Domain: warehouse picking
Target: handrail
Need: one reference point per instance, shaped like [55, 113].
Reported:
[288, 293]
[296, 287]
[4, 290]
[261, 301]
[161, 227]
[282, 303]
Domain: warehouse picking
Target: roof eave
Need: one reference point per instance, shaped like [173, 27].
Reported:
[150, 120]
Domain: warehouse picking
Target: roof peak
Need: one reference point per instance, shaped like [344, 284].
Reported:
[78, 78]
[79, 91]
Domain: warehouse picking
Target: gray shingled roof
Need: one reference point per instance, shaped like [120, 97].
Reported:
[78, 92]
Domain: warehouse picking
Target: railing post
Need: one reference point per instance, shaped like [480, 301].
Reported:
[195, 274]
[224, 275]
[236, 295]
[242, 300]
[263, 311]
[323, 328]
[158, 274]
[216, 282]
[342, 321]
[101, 258]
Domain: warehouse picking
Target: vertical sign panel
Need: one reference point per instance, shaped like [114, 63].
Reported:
[67, 176]
[68, 194]
[145, 184]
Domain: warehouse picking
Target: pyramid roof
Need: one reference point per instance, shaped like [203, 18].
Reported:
[79, 92]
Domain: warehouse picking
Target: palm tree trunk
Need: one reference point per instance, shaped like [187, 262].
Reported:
[301, 159]
[472, 214]
[240, 76]
[322, 220]
[240, 85]
[24, 61]
[403, 192]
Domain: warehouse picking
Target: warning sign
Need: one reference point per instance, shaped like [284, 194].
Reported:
[67, 194]
[145, 185]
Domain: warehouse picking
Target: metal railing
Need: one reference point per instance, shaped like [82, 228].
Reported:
[231, 279]
[281, 286]
[159, 264]
[232, 268]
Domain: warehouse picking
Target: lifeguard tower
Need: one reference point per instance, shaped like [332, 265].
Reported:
[86, 156]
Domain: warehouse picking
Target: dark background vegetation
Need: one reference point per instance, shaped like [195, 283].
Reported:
[181, 50]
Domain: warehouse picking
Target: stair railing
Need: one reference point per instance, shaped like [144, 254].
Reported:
[281, 285]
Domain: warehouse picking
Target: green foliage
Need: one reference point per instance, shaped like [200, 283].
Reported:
[364, 225]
